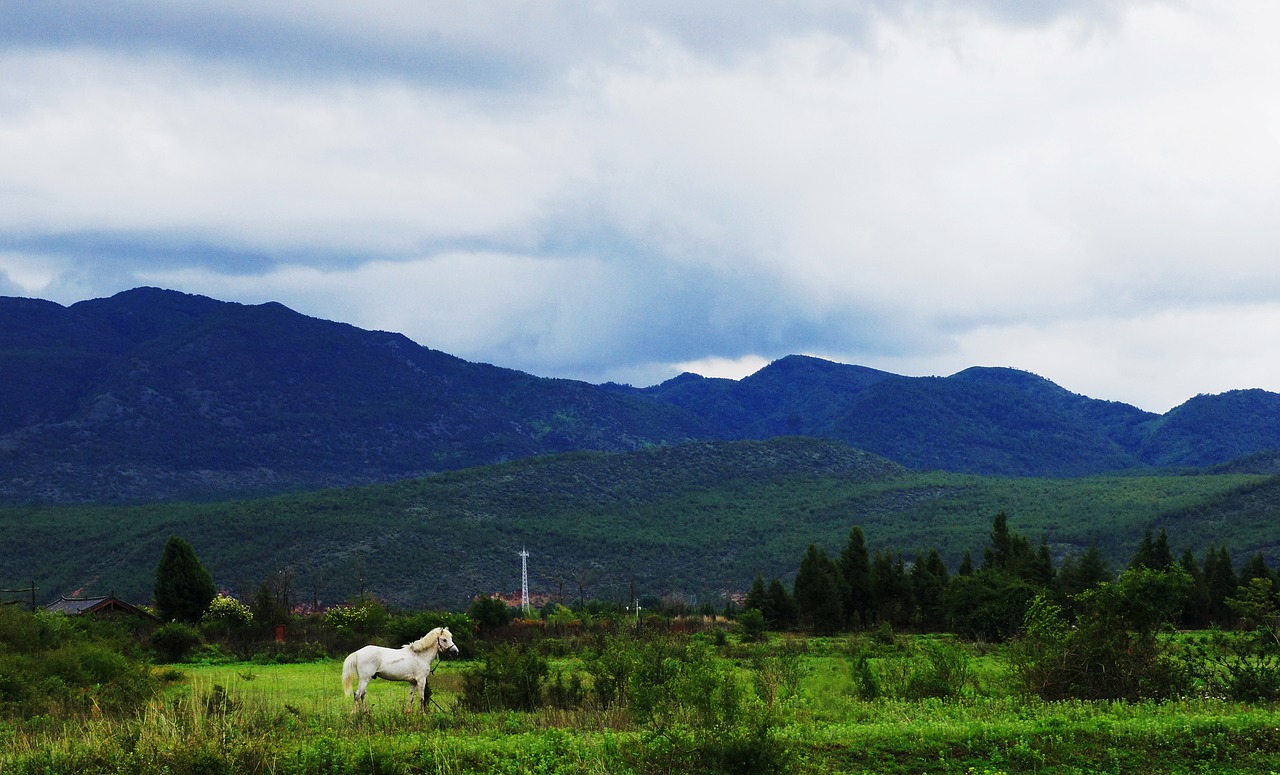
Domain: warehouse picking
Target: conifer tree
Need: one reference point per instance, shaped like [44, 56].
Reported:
[929, 577]
[183, 588]
[855, 572]
[1195, 611]
[1220, 579]
[758, 598]
[818, 591]
[782, 607]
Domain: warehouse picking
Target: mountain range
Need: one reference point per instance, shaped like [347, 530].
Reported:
[157, 395]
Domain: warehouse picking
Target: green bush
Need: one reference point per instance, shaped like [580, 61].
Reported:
[68, 666]
[229, 611]
[511, 678]
[174, 641]
[406, 628]
[751, 625]
[1113, 649]
[1245, 666]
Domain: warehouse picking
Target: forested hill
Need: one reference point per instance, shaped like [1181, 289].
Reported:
[698, 518]
[154, 394]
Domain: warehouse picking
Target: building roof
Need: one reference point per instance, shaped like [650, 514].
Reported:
[108, 604]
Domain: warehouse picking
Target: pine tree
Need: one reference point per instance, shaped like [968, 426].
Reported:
[1195, 611]
[1221, 582]
[781, 606]
[855, 572]
[183, 588]
[818, 591]
[756, 596]
[891, 590]
[929, 579]
[1153, 553]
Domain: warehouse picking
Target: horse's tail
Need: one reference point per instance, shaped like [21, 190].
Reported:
[348, 674]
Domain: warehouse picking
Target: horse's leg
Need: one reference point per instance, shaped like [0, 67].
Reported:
[413, 694]
[360, 692]
[425, 694]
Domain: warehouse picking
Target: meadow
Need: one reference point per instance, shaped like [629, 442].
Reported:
[868, 702]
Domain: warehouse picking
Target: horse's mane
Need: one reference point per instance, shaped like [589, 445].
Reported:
[426, 641]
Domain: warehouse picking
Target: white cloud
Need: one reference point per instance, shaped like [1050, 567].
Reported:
[618, 191]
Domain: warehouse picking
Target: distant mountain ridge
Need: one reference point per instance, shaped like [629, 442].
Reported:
[153, 394]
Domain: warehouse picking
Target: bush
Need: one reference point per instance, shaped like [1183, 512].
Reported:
[510, 679]
[406, 628]
[64, 665]
[1245, 666]
[701, 716]
[229, 611]
[751, 625]
[174, 641]
[1113, 651]
[360, 621]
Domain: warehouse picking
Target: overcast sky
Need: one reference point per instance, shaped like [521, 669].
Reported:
[1083, 189]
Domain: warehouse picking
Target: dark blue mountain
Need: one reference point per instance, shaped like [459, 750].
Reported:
[154, 394]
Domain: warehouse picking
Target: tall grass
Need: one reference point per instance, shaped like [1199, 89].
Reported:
[295, 719]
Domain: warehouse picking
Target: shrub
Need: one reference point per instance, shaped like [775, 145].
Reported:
[360, 621]
[174, 641]
[229, 611]
[1245, 666]
[1113, 650]
[751, 625]
[566, 695]
[510, 679]
[68, 665]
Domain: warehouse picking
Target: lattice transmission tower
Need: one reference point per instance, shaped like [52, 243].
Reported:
[524, 580]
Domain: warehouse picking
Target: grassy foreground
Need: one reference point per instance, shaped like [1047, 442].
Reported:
[247, 718]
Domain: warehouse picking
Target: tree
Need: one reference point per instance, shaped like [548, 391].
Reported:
[1079, 573]
[757, 597]
[1153, 553]
[1012, 553]
[818, 591]
[855, 572]
[929, 579]
[782, 607]
[891, 590]
[489, 614]
[1220, 579]
[183, 588]
[1195, 612]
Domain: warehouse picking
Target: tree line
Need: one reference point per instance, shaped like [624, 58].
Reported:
[989, 599]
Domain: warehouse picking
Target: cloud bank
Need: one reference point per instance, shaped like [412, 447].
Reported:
[608, 192]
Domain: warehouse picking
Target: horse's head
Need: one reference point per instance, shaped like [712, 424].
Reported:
[445, 642]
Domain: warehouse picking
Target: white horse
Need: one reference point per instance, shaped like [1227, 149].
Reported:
[411, 662]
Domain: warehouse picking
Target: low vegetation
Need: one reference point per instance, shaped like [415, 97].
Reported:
[608, 695]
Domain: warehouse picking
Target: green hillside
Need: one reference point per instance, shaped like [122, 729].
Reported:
[695, 519]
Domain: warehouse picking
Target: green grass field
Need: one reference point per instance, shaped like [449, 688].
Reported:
[248, 718]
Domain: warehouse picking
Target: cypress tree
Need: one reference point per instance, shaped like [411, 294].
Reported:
[183, 588]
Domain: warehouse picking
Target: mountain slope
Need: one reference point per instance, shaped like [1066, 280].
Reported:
[153, 394]
[157, 394]
[1213, 429]
[696, 519]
